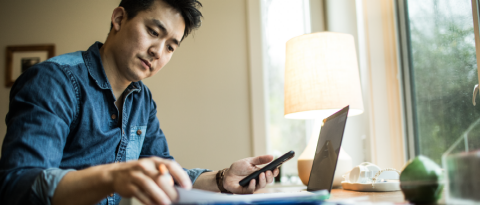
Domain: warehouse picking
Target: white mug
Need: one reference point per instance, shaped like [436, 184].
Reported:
[363, 173]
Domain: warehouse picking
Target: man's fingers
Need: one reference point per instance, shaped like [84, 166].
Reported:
[251, 187]
[176, 171]
[132, 190]
[276, 172]
[164, 182]
[151, 189]
[269, 177]
[261, 159]
[262, 181]
[142, 197]
[179, 175]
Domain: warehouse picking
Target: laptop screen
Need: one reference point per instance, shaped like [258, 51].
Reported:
[328, 148]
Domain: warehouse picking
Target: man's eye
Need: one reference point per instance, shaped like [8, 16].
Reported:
[153, 32]
[170, 48]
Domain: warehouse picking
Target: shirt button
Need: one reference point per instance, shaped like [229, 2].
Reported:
[111, 195]
[139, 132]
[114, 116]
[123, 131]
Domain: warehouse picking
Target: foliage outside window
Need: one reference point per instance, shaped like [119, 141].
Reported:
[443, 71]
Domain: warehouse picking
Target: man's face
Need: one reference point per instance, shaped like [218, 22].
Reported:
[145, 43]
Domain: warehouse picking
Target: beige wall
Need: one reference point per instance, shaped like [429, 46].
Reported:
[202, 94]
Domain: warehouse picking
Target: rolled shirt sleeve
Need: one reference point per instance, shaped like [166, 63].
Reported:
[195, 173]
[46, 182]
[37, 130]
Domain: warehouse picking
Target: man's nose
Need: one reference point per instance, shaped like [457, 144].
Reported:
[156, 51]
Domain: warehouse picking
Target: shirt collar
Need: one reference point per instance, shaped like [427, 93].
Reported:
[96, 70]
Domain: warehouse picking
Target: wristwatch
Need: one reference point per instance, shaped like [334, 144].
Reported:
[219, 177]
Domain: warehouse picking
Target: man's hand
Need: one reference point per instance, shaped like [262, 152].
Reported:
[139, 178]
[242, 168]
[142, 179]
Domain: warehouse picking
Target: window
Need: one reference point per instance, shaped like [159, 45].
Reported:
[441, 71]
[283, 20]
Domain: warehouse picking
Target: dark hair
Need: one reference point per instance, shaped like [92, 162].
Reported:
[187, 8]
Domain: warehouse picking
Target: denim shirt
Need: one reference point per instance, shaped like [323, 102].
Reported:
[62, 118]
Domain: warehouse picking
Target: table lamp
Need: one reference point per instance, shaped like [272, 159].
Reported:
[321, 77]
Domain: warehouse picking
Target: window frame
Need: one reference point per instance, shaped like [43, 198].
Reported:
[258, 97]
[476, 20]
[405, 64]
[257, 73]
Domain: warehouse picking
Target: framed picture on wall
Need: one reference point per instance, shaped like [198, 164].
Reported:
[20, 58]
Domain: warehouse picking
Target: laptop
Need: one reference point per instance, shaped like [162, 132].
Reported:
[328, 149]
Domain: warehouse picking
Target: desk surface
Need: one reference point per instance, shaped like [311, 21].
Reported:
[392, 196]
[339, 193]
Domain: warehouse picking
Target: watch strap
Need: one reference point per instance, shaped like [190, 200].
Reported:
[220, 177]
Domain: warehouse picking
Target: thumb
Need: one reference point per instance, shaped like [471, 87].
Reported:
[260, 159]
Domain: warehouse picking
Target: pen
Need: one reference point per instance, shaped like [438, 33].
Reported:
[164, 171]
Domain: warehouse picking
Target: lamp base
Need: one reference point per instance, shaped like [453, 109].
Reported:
[304, 168]
[344, 164]
[305, 161]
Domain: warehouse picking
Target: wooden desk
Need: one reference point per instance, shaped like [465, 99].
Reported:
[391, 196]
[339, 193]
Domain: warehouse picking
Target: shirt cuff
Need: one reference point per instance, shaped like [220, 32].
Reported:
[194, 173]
[46, 182]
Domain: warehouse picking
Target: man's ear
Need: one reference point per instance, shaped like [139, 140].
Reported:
[118, 17]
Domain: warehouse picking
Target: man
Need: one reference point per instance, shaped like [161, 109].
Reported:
[79, 122]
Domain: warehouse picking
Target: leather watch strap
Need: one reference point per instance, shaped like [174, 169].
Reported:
[219, 177]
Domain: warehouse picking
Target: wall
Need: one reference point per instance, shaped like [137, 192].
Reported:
[202, 94]
[70, 25]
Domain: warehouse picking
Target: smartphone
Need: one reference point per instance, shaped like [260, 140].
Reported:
[272, 166]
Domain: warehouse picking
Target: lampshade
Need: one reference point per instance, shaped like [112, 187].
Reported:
[321, 76]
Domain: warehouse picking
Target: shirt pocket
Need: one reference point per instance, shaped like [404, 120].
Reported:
[135, 144]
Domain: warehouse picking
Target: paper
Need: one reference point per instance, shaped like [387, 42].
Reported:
[195, 196]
